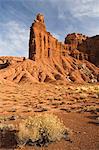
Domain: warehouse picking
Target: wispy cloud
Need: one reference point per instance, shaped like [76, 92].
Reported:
[78, 15]
[77, 8]
[14, 39]
[88, 8]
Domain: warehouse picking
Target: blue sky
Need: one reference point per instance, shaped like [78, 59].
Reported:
[61, 17]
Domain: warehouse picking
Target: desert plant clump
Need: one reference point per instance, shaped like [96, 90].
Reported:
[4, 126]
[41, 129]
[92, 109]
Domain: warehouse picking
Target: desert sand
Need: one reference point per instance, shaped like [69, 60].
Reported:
[76, 104]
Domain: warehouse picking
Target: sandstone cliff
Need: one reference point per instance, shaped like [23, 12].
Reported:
[87, 47]
[91, 47]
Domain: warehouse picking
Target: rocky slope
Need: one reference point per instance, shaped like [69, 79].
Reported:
[22, 70]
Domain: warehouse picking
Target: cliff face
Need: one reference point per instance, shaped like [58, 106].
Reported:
[75, 39]
[88, 47]
[59, 61]
[91, 47]
[42, 45]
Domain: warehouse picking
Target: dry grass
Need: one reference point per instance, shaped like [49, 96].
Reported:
[4, 126]
[41, 129]
[91, 109]
[88, 88]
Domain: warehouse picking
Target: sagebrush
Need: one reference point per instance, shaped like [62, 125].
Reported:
[41, 129]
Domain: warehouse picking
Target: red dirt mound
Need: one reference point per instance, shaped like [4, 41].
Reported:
[22, 70]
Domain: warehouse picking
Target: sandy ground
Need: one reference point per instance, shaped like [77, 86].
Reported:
[76, 104]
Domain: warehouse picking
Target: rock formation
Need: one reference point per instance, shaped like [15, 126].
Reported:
[4, 65]
[84, 47]
[47, 49]
[91, 47]
[51, 60]
[42, 44]
[74, 40]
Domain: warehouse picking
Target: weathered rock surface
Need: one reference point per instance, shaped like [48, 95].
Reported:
[42, 45]
[91, 47]
[60, 60]
[83, 47]
[74, 39]
[69, 70]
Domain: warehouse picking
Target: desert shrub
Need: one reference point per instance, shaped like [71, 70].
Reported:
[4, 126]
[41, 129]
[91, 109]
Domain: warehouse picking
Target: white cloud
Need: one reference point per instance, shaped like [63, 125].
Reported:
[13, 39]
[79, 15]
[78, 8]
[88, 8]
